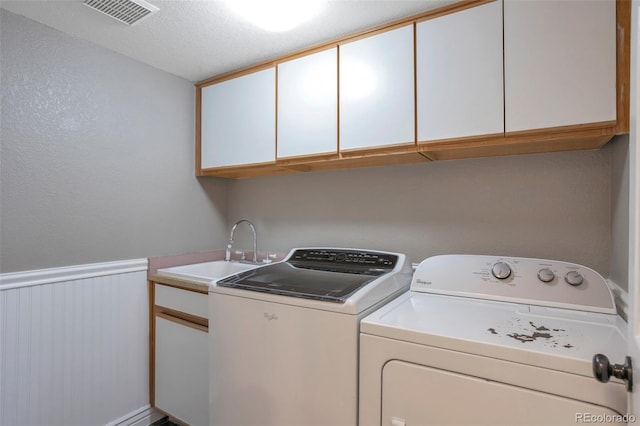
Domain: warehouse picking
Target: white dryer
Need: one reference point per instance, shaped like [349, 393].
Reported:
[492, 340]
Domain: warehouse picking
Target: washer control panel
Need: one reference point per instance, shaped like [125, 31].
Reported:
[345, 257]
[539, 282]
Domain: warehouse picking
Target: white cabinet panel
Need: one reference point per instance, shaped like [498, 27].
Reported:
[377, 90]
[182, 300]
[459, 65]
[308, 105]
[182, 372]
[560, 62]
[238, 120]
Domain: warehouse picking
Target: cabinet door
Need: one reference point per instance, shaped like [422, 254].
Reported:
[560, 63]
[377, 100]
[308, 105]
[459, 74]
[238, 121]
[182, 372]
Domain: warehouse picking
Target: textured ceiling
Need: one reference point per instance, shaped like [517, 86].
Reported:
[199, 39]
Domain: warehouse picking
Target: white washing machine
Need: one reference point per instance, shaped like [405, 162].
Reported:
[485, 340]
[284, 337]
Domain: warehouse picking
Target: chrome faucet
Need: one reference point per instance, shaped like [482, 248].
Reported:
[227, 255]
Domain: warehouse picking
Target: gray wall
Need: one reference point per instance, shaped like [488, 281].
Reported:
[97, 156]
[97, 164]
[542, 205]
[619, 272]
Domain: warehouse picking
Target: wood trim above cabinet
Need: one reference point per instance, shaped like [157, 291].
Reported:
[429, 14]
[452, 8]
[238, 73]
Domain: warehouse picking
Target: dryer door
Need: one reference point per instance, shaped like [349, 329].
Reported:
[417, 395]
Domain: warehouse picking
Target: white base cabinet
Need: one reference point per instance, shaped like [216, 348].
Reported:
[181, 354]
[181, 372]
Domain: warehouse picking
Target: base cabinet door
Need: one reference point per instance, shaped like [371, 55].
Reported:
[560, 63]
[182, 372]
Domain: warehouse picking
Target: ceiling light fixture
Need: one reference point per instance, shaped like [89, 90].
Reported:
[276, 15]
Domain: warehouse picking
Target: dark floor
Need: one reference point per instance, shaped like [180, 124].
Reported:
[165, 421]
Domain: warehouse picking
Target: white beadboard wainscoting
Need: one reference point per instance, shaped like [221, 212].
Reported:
[74, 344]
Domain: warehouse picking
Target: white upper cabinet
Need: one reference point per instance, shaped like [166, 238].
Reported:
[377, 90]
[560, 63]
[238, 119]
[459, 63]
[308, 105]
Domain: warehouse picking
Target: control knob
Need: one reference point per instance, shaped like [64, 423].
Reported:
[501, 270]
[574, 278]
[546, 275]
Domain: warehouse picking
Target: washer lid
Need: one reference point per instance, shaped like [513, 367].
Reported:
[328, 275]
[289, 279]
[552, 338]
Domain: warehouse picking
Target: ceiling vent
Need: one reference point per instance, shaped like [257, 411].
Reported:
[126, 11]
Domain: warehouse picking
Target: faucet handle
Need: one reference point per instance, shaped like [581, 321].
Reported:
[270, 257]
[242, 254]
[227, 253]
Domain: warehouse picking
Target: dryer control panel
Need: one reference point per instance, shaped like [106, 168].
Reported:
[515, 279]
